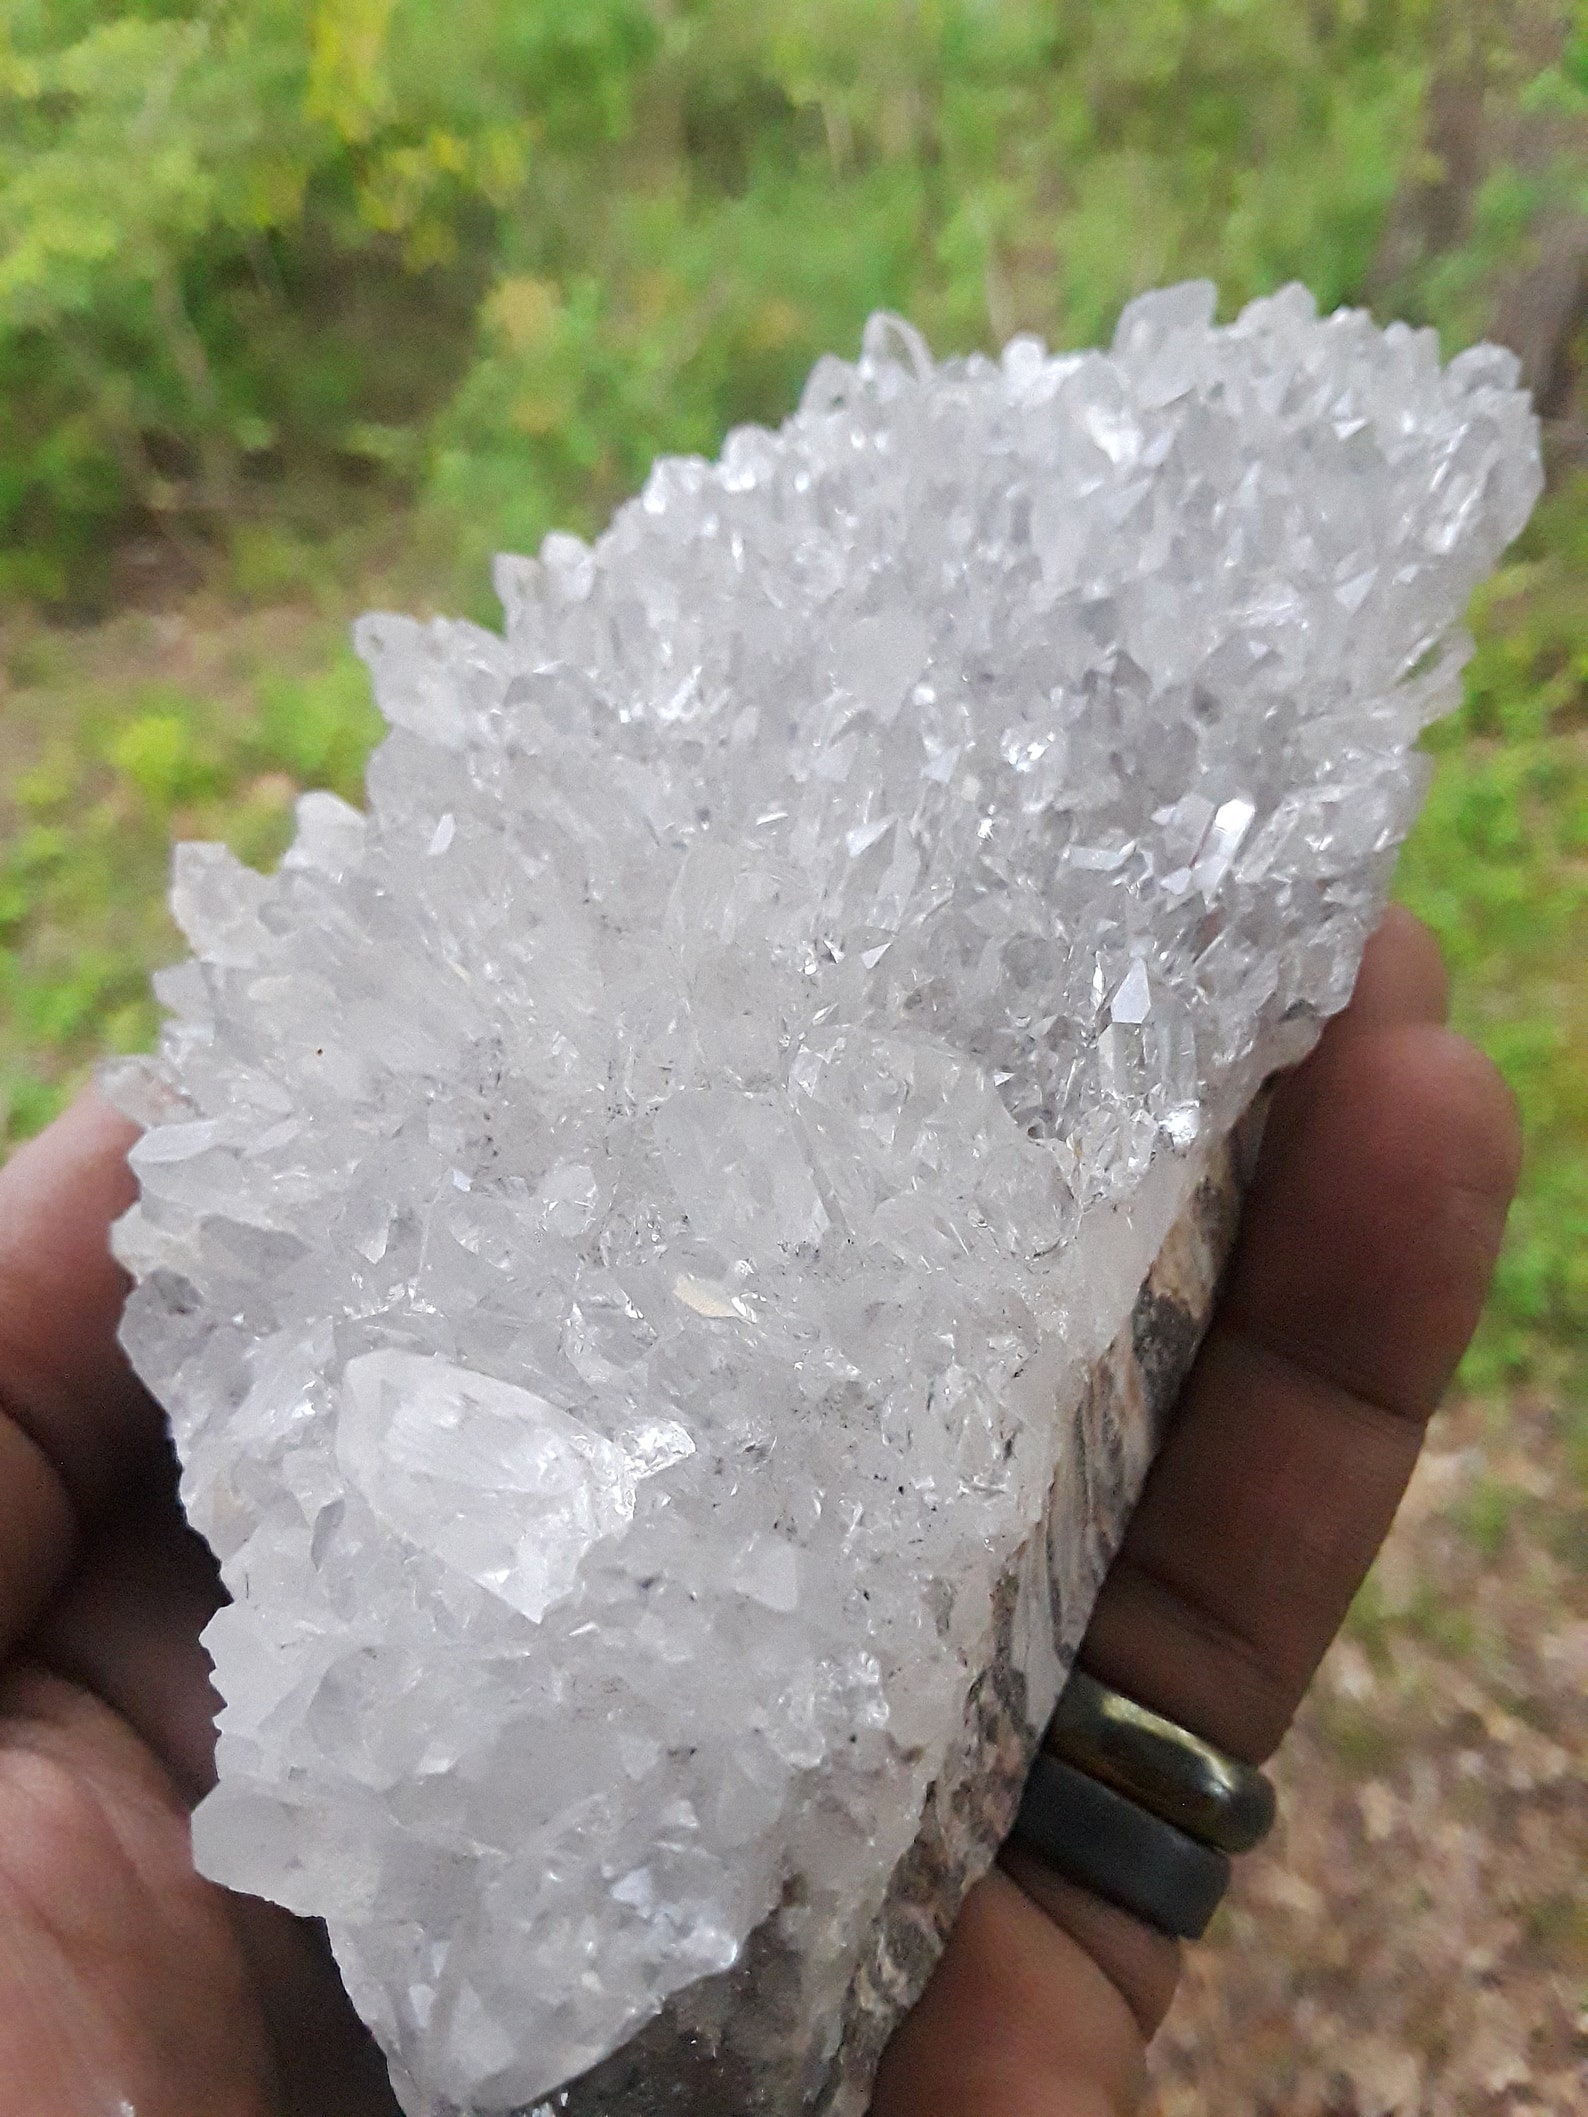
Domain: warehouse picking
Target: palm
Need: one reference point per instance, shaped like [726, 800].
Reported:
[121, 1969]
[126, 1982]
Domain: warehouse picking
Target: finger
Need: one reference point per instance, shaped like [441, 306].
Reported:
[1402, 978]
[63, 1374]
[126, 1627]
[121, 1986]
[38, 1530]
[1366, 1249]
[1019, 2019]
[326, 2059]
[128, 1959]
[73, 1419]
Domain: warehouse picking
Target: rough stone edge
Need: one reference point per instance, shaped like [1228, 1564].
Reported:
[672, 2065]
[1118, 1425]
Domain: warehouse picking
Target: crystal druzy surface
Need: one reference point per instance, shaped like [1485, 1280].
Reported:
[627, 1222]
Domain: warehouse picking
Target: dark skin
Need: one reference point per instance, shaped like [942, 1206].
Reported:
[127, 1982]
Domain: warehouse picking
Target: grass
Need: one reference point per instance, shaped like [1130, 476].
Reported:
[1498, 866]
[115, 744]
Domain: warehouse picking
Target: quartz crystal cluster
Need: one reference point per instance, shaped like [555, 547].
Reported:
[628, 1222]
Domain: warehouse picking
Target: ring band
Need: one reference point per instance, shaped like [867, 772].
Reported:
[1139, 1810]
[1094, 1836]
[1166, 1769]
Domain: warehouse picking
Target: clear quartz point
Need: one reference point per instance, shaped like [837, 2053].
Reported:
[643, 1232]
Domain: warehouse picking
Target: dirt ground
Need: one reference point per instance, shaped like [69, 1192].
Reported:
[1414, 1937]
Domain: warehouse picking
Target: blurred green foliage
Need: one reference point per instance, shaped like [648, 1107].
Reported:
[273, 269]
[101, 772]
[260, 255]
[1498, 866]
[245, 240]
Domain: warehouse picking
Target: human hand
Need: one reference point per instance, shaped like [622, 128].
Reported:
[126, 1983]
[1366, 1248]
[128, 1986]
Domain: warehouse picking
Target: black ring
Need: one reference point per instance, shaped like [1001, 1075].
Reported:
[1091, 1835]
[1165, 1767]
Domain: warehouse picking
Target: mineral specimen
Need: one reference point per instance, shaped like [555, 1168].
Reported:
[633, 1228]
